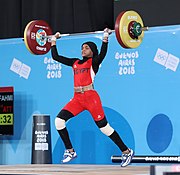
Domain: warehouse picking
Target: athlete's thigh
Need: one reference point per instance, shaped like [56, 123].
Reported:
[94, 106]
[74, 106]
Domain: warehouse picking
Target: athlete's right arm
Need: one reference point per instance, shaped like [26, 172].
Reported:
[64, 60]
[60, 58]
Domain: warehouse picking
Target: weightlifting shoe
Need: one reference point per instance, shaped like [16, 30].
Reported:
[127, 158]
[68, 156]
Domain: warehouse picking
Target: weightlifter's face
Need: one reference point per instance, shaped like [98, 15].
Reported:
[86, 51]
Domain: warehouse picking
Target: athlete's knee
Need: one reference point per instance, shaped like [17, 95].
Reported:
[62, 117]
[105, 127]
[60, 123]
[107, 130]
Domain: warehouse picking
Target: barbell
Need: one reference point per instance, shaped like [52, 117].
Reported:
[129, 32]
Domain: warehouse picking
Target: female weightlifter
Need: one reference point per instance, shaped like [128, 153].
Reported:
[85, 97]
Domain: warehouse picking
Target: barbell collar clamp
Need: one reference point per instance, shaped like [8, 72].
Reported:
[144, 28]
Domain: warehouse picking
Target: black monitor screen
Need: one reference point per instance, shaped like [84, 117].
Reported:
[6, 110]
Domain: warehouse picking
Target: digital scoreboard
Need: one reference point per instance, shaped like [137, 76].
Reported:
[6, 110]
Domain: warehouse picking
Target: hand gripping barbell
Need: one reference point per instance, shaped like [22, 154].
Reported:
[129, 31]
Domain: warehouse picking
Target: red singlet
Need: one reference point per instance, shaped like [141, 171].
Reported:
[88, 100]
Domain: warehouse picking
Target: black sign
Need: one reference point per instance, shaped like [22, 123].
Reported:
[41, 140]
[6, 110]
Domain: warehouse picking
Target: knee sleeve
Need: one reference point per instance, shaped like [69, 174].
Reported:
[107, 130]
[59, 123]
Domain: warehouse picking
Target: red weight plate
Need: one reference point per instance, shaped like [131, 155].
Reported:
[32, 37]
[118, 36]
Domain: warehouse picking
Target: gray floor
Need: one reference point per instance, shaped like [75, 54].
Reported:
[48, 169]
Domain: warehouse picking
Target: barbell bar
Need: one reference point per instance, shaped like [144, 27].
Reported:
[75, 34]
[129, 31]
[149, 159]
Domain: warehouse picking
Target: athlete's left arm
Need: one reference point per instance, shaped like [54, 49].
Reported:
[103, 52]
[97, 60]
[104, 46]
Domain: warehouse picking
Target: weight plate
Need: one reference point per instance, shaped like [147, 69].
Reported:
[33, 37]
[122, 32]
[117, 31]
